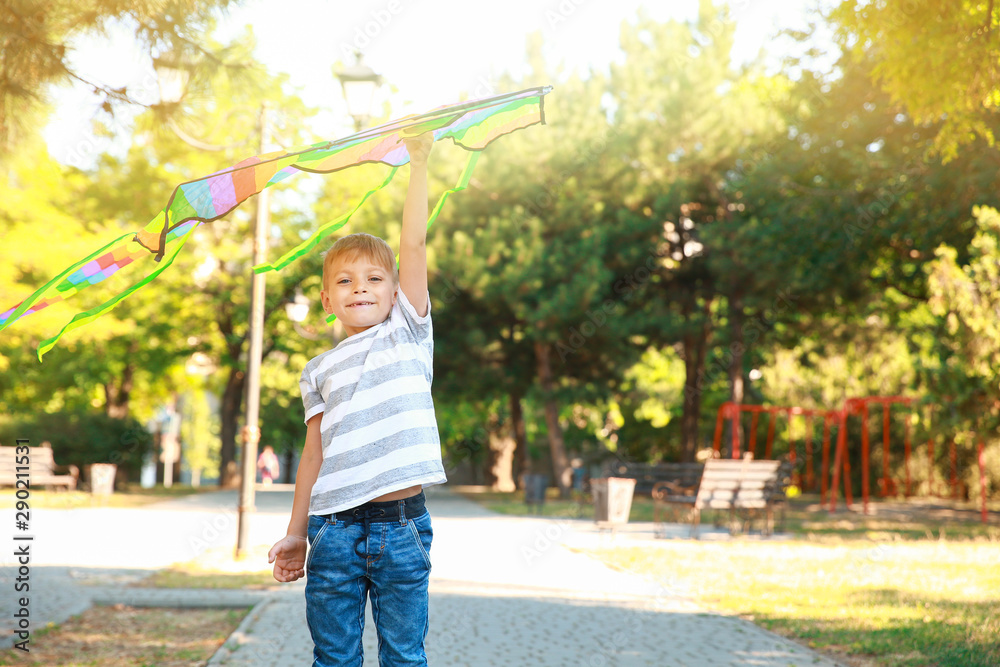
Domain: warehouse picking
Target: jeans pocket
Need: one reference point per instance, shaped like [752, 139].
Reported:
[423, 534]
[314, 538]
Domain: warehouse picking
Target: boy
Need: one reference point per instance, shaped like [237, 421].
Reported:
[371, 445]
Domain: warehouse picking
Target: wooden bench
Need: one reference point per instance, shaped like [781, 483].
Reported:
[676, 489]
[42, 469]
[746, 486]
[742, 485]
[649, 476]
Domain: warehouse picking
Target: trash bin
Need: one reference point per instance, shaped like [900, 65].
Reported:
[534, 490]
[102, 478]
[612, 500]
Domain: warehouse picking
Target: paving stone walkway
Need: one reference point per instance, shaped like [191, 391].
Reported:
[507, 591]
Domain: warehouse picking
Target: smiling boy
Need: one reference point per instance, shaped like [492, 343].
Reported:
[371, 446]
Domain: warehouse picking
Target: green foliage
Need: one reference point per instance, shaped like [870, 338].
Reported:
[929, 602]
[658, 378]
[966, 299]
[36, 40]
[464, 436]
[937, 59]
[83, 438]
[677, 214]
[199, 432]
[282, 425]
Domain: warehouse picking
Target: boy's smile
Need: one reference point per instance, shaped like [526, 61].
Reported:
[360, 293]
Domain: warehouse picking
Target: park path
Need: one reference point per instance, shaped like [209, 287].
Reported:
[504, 590]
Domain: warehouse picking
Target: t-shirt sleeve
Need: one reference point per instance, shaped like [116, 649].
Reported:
[419, 326]
[312, 400]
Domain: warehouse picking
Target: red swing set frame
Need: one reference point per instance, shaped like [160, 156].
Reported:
[841, 465]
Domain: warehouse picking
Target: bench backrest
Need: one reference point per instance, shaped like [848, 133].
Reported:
[41, 461]
[738, 483]
[648, 474]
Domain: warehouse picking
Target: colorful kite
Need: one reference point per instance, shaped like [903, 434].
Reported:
[472, 125]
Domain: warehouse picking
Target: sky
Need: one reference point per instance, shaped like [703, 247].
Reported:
[429, 51]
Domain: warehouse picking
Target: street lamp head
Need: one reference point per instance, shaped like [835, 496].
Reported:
[359, 83]
[171, 79]
[298, 308]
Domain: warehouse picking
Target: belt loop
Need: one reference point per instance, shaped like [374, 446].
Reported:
[402, 513]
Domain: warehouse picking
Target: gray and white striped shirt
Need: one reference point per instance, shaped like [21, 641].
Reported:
[379, 430]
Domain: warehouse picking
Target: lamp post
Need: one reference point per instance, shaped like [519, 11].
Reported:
[297, 310]
[251, 429]
[359, 83]
[172, 81]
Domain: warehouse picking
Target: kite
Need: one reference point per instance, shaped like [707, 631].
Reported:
[472, 125]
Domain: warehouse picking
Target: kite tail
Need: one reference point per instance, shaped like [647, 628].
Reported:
[463, 183]
[322, 232]
[25, 305]
[87, 316]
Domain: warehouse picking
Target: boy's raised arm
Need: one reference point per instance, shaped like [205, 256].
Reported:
[413, 237]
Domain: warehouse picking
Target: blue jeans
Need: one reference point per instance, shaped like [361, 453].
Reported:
[386, 561]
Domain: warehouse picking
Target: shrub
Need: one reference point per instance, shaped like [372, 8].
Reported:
[85, 438]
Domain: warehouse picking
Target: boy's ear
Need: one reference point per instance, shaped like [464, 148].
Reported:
[327, 306]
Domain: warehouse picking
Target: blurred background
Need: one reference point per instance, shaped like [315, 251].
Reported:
[730, 202]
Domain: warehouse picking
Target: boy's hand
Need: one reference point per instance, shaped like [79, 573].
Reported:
[289, 557]
[419, 148]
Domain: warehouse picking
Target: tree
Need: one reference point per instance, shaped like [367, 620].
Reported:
[220, 262]
[935, 58]
[966, 298]
[200, 305]
[199, 433]
[51, 213]
[686, 117]
[36, 44]
[533, 256]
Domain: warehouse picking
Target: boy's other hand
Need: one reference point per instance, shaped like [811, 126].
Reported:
[419, 147]
[289, 557]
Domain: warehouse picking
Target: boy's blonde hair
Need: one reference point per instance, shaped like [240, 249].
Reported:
[354, 246]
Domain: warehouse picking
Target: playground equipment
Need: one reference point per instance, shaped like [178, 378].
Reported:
[887, 486]
[859, 406]
[732, 411]
[841, 464]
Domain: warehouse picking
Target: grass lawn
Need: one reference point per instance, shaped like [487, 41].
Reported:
[894, 603]
[908, 586]
[132, 496]
[216, 568]
[121, 636]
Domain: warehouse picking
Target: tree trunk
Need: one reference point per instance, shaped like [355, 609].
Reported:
[736, 349]
[286, 474]
[560, 464]
[116, 395]
[229, 414]
[520, 462]
[501, 457]
[695, 346]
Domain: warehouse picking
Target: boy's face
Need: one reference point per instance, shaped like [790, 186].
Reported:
[360, 293]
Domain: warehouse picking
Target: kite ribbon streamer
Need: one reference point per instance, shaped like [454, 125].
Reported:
[26, 305]
[321, 233]
[463, 182]
[332, 226]
[87, 316]
[472, 125]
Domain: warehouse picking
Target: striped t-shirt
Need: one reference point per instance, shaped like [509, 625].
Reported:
[378, 428]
